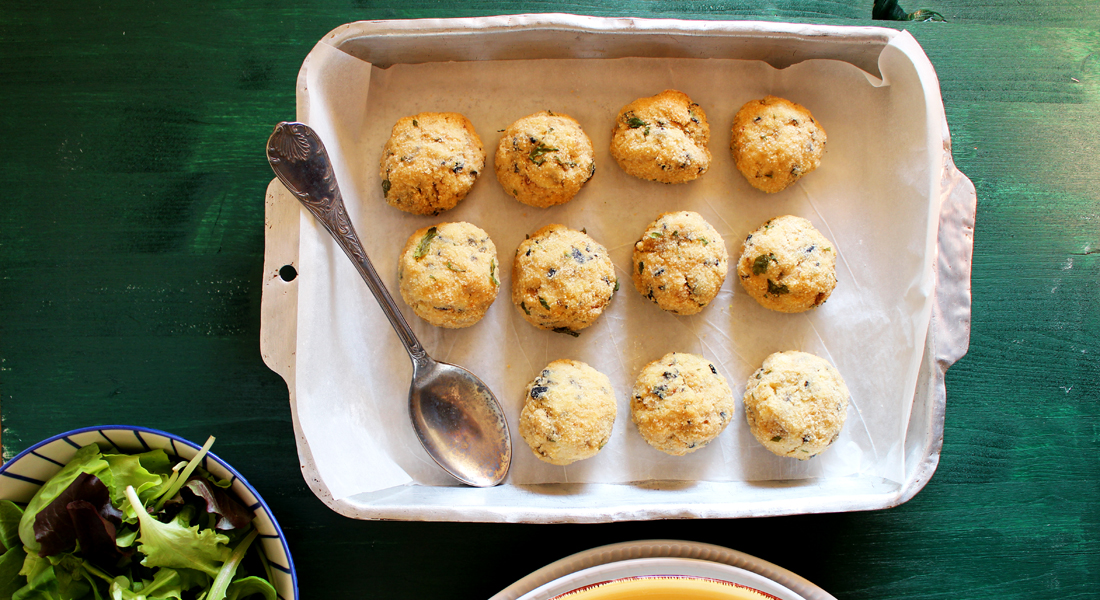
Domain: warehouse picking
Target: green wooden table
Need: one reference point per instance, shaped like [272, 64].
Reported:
[131, 238]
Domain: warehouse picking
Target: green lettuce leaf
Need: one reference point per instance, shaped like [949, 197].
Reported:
[142, 471]
[10, 565]
[192, 579]
[221, 583]
[41, 581]
[10, 514]
[87, 460]
[175, 545]
[165, 585]
[247, 586]
[180, 477]
[73, 580]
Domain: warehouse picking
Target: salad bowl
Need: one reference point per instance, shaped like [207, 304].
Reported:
[23, 476]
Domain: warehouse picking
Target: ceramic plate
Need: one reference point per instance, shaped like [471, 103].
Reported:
[652, 557]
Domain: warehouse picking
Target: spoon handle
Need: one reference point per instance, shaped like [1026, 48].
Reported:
[301, 162]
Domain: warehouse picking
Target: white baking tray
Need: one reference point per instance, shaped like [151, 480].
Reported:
[527, 37]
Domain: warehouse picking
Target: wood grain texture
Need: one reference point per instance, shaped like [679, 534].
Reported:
[131, 233]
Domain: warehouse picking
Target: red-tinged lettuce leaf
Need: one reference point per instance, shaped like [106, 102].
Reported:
[54, 529]
[86, 460]
[231, 513]
[95, 534]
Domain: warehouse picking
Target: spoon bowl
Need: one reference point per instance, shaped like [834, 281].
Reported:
[456, 417]
[451, 408]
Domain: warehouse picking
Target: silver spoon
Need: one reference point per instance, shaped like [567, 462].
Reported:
[458, 420]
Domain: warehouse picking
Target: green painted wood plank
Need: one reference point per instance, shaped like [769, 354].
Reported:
[131, 271]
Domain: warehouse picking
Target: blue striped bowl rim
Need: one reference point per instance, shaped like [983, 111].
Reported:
[19, 487]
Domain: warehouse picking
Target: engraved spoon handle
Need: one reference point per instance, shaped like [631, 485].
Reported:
[301, 162]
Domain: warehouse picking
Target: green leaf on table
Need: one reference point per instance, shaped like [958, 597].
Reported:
[888, 10]
[175, 545]
[87, 460]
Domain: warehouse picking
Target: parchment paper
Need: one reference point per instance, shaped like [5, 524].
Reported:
[873, 196]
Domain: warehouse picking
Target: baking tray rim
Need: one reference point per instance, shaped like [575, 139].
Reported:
[948, 330]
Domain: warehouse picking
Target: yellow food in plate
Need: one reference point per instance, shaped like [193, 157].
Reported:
[666, 588]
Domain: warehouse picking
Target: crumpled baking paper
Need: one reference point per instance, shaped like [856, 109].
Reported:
[872, 196]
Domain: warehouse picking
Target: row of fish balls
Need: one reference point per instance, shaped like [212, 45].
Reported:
[562, 279]
[795, 405]
[431, 160]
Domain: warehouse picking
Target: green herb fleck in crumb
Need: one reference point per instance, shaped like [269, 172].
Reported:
[634, 122]
[538, 151]
[385, 186]
[543, 302]
[526, 311]
[777, 289]
[422, 247]
[656, 234]
[705, 241]
[452, 267]
[566, 331]
[493, 272]
[616, 286]
[760, 265]
[641, 266]
[777, 438]
[415, 124]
